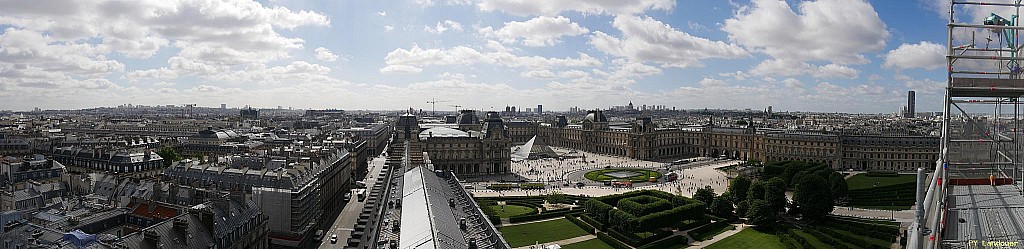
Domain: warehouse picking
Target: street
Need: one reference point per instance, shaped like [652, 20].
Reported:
[346, 221]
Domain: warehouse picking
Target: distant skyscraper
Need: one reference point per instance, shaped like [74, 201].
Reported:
[540, 108]
[223, 106]
[910, 105]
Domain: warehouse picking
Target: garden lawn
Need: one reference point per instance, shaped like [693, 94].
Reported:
[863, 181]
[748, 238]
[542, 232]
[511, 210]
[599, 175]
[588, 244]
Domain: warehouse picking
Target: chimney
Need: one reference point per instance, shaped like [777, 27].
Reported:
[151, 236]
[221, 201]
[181, 225]
[150, 205]
[206, 216]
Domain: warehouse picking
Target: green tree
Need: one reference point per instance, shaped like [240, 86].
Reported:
[705, 195]
[838, 187]
[722, 205]
[169, 155]
[738, 187]
[775, 194]
[814, 197]
[760, 214]
[742, 208]
[756, 191]
[555, 197]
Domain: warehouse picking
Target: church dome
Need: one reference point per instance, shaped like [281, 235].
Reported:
[468, 117]
[595, 116]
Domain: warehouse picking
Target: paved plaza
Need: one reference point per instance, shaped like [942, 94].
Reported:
[563, 174]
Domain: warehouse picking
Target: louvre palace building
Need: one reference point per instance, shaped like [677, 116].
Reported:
[640, 139]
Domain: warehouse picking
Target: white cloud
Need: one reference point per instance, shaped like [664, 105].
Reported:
[441, 27]
[462, 55]
[140, 28]
[382, 13]
[921, 85]
[325, 54]
[792, 83]
[547, 74]
[924, 55]
[400, 69]
[388, 28]
[738, 75]
[709, 82]
[790, 68]
[649, 40]
[32, 49]
[176, 67]
[536, 32]
[838, 31]
[539, 74]
[551, 8]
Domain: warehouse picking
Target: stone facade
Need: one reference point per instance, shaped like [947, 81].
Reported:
[639, 139]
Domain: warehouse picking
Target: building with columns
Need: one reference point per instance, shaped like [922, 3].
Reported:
[466, 148]
[640, 139]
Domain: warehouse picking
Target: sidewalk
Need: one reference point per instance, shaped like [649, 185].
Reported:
[528, 222]
[702, 244]
[564, 241]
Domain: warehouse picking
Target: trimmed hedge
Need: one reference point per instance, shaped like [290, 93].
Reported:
[827, 239]
[501, 186]
[531, 186]
[671, 241]
[633, 240]
[598, 210]
[541, 216]
[667, 218]
[859, 241]
[708, 228]
[582, 224]
[870, 230]
[793, 241]
[533, 205]
[643, 205]
[622, 220]
[592, 221]
[611, 241]
[690, 224]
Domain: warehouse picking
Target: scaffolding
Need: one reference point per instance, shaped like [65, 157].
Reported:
[980, 133]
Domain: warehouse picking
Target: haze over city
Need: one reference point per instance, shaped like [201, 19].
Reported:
[828, 56]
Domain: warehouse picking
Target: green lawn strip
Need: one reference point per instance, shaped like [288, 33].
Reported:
[814, 241]
[542, 232]
[588, 244]
[511, 210]
[862, 181]
[710, 230]
[748, 238]
[599, 175]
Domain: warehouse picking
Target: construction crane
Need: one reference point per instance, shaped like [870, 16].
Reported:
[456, 107]
[433, 102]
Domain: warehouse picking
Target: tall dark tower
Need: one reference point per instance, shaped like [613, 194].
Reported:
[910, 105]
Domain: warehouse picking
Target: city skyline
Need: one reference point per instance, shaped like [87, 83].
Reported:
[843, 55]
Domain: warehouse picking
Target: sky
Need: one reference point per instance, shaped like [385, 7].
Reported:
[825, 56]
